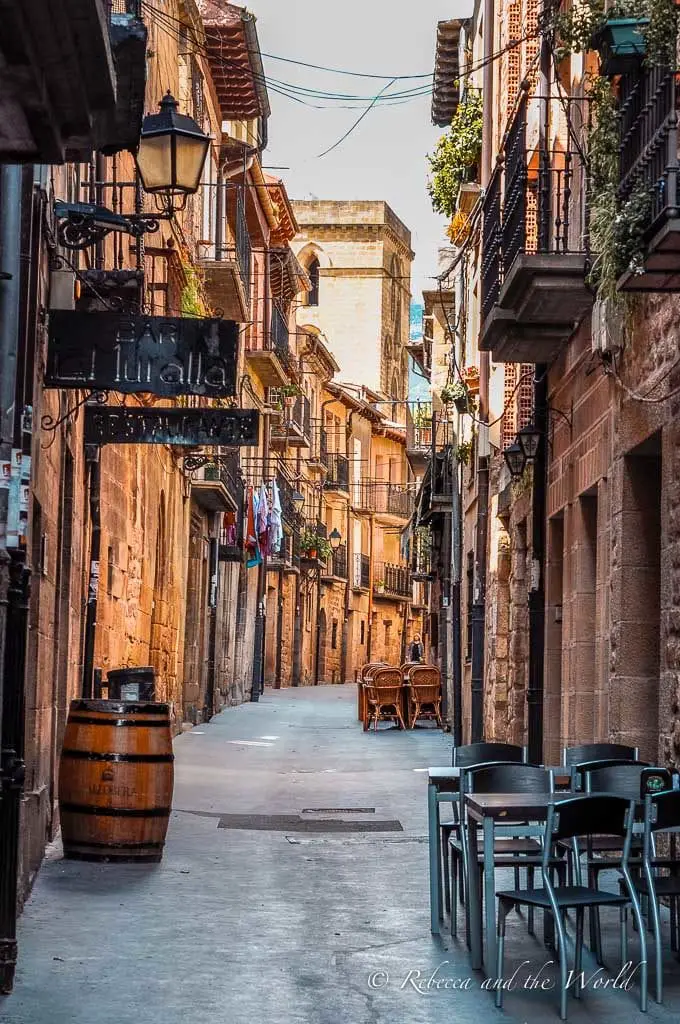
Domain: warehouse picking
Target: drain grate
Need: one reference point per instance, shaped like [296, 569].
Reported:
[338, 810]
[296, 823]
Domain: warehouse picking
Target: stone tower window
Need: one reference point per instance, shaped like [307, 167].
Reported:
[313, 274]
[395, 293]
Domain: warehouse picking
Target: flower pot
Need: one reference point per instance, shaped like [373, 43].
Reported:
[461, 404]
[621, 45]
[311, 553]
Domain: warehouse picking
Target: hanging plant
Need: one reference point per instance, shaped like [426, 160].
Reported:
[464, 452]
[456, 154]
[631, 27]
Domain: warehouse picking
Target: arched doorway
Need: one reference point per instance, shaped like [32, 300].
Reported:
[321, 667]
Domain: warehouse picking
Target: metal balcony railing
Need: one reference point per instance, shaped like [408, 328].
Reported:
[361, 572]
[318, 443]
[280, 338]
[226, 469]
[392, 579]
[649, 139]
[418, 426]
[337, 563]
[295, 421]
[421, 552]
[387, 498]
[337, 477]
[534, 203]
[243, 245]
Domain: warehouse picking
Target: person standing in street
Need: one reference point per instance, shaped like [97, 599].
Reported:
[416, 649]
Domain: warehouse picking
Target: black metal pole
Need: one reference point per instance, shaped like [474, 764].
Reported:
[479, 605]
[92, 455]
[537, 590]
[258, 650]
[209, 707]
[279, 631]
[12, 760]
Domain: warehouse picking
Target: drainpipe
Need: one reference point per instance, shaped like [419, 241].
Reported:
[350, 562]
[93, 458]
[537, 589]
[369, 639]
[478, 611]
[538, 495]
[279, 631]
[14, 581]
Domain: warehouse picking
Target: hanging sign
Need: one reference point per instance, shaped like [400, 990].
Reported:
[189, 427]
[161, 355]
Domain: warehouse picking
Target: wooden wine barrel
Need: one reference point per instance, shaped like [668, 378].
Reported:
[115, 780]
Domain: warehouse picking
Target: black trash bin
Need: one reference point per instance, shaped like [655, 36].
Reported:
[132, 684]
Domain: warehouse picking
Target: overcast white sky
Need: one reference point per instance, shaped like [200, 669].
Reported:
[384, 158]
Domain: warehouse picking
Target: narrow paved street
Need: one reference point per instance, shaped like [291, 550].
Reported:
[258, 912]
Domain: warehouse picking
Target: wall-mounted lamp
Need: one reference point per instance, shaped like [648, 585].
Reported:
[170, 160]
[515, 459]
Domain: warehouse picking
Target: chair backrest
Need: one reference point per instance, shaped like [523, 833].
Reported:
[631, 781]
[485, 753]
[386, 677]
[662, 811]
[580, 772]
[510, 778]
[367, 670]
[596, 814]
[425, 682]
[598, 752]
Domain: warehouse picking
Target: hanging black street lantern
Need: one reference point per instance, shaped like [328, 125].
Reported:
[529, 439]
[172, 153]
[515, 460]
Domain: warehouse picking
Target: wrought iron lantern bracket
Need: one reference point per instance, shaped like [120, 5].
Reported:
[81, 225]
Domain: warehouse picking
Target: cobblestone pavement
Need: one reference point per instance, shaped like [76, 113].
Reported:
[256, 915]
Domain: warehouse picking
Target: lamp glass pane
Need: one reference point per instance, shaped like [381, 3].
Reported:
[154, 162]
[190, 154]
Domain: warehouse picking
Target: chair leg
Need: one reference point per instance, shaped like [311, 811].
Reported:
[444, 843]
[578, 951]
[655, 921]
[454, 892]
[500, 953]
[594, 920]
[530, 909]
[624, 935]
[562, 948]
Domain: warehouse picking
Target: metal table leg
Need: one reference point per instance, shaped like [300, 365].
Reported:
[473, 916]
[435, 862]
[489, 899]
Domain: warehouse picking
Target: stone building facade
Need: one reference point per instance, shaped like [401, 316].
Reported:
[574, 566]
[173, 589]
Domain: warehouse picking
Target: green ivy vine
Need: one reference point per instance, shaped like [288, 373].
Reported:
[192, 303]
[455, 153]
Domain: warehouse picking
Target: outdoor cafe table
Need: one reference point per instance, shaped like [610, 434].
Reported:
[443, 787]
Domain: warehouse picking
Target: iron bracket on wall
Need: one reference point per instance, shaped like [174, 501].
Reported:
[82, 225]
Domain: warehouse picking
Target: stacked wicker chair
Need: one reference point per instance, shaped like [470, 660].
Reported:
[383, 691]
[424, 694]
[365, 673]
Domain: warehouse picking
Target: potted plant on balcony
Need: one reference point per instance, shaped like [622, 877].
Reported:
[313, 545]
[457, 393]
[621, 43]
[380, 586]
